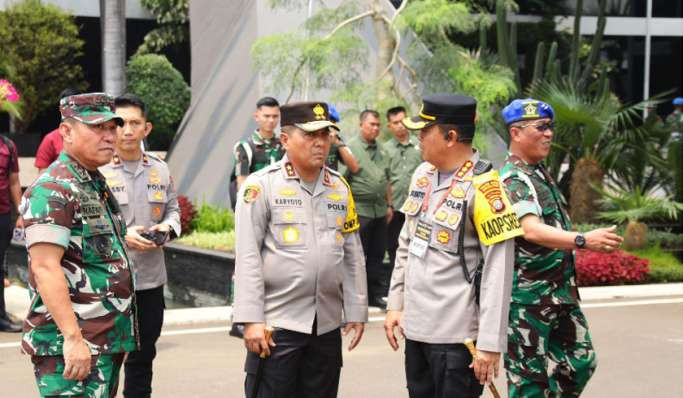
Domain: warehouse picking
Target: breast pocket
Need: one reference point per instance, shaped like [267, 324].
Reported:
[446, 229]
[289, 228]
[98, 241]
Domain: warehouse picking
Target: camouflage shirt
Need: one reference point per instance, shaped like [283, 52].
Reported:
[73, 208]
[542, 275]
[256, 153]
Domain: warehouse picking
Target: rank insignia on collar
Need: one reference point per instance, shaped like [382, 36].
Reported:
[145, 159]
[464, 169]
[290, 235]
[289, 169]
[251, 192]
[116, 159]
[422, 182]
[443, 236]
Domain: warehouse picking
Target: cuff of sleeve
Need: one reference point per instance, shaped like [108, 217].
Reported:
[356, 313]
[248, 314]
[492, 342]
[395, 302]
[174, 224]
[524, 207]
[47, 233]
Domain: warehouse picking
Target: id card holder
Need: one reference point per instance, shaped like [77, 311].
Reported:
[421, 238]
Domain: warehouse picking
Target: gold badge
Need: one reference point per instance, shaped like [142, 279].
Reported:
[531, 110]
[153, 172]
[457, 192]
[339, 236]
[335, 196]
[251, 192]
[453, 219]
[443, 236]
[157, 212]
[154, 180]
[493, 194]
[441, 215]
[289, 169]
[113, 183]
[290, 235]
[158, 195]
[319, 112]
[288, 192]
[340, 221]
[422, 182]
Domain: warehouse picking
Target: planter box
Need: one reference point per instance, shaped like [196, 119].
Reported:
[196, 277]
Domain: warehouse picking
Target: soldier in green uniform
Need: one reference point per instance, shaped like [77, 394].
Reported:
[675, 119]
[372, 192]
[81, 320]
[545, 319]
[405, 156]
[261, 149]
[339, 152]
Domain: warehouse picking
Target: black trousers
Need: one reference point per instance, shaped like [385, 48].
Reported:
[440, 371]
[373, 236]
[138, 365]
[300, 366]
[394, 230]
[5, 237]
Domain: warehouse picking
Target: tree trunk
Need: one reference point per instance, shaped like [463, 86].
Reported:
[386, 43]
[635, 236]
[583, 197]
[113, 26]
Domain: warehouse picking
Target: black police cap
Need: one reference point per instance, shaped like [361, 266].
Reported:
[444, 109]
[308, 116]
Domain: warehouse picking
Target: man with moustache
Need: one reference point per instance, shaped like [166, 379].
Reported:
[142, 184]
[453, 271]
[298, 263]
[372, 192]
[404, 158]
[81, 320]
[546, 321]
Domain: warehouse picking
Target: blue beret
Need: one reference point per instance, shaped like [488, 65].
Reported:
[678, 101]
[334, 114]
[527, 109]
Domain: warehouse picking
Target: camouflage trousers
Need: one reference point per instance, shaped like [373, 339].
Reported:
[102, 382]
[537, 333]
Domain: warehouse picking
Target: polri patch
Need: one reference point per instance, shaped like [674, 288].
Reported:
[251, 192]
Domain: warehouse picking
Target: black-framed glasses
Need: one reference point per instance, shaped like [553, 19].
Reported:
[540, 127]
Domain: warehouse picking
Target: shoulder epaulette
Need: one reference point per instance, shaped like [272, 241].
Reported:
[482, 166]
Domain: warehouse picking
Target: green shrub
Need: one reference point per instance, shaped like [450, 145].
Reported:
[161, 86]
[213, 219]
[664, 239]
[664, 267]
[224, 241]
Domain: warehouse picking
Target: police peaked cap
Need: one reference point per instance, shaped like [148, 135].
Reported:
[455, 109]
[308, 116]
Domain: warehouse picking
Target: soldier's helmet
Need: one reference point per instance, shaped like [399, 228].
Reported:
[527, 109]
[90, 108]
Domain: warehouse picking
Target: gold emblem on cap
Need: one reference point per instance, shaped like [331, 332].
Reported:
[531, 110]
[319, 112]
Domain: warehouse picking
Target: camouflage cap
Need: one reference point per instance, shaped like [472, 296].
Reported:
[90, 108]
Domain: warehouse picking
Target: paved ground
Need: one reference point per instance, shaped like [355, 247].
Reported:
[640, 349]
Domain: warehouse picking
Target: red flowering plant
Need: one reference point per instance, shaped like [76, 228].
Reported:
[615, 268]
[187, 214]
[9, 98]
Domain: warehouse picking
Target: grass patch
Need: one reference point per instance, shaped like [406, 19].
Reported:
[224, 241]
[664, 266]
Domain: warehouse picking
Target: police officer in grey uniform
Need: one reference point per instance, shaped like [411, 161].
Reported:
[299, 263]
[456, 237]
[142, 184]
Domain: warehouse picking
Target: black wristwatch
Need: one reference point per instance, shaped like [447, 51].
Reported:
[580, 241]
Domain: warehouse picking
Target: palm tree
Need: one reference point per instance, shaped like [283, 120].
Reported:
[633, 206]
[113, 25]
[593, 129]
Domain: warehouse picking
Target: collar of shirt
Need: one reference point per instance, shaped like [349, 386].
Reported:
[367, 145]
[289, 172]
[463, 173]
[521, 164]
[259, 140]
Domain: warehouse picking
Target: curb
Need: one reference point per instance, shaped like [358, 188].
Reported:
[17, 302]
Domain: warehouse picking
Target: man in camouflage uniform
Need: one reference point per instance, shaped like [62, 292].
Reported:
[545, 319]
[261, 149]
[82, 319]
[298, 264]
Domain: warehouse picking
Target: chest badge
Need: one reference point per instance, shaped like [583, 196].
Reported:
[289, 192]
[422, 182]
[158, 195]
[457, 192]
[443, 236]
[453, 219]
[290, 235]
[441, 215]
[289, 215]
[335, 196]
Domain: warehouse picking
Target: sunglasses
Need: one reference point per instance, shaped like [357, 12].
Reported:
[540, 127]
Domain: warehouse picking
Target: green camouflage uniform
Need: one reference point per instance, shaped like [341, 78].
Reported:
[545, 318]
[72, 207]
[256, 153]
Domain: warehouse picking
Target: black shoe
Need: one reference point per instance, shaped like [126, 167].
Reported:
[378, 302]
[8, 326]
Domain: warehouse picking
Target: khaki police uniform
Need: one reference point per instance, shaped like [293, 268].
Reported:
[464, 218]
[299, 266]
[145, 192]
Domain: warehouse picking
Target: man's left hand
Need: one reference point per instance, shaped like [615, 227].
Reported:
[486, 366]
[358, 328]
